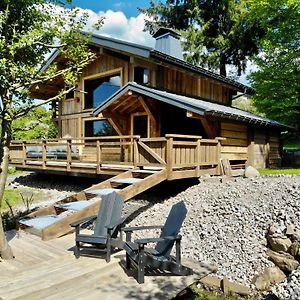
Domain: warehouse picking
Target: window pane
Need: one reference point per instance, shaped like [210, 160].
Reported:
[99, 128]
[98, 90]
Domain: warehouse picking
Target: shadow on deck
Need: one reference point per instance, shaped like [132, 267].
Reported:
[48, 270]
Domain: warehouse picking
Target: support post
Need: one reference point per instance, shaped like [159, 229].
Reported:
[135, 152]
[169, 157]
[218, 157]
[69, 155]
[44, 154]
[99, 158]
[198, 157]
[24, 155]
[250, 152]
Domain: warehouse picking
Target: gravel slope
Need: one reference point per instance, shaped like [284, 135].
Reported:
[227, 221]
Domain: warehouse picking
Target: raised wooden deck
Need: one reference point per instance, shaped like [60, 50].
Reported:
[48, 270]
[182, 156]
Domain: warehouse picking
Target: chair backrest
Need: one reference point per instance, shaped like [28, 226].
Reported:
[171, 228]
[110, 211]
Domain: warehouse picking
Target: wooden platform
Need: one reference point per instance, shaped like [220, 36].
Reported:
[48, 270]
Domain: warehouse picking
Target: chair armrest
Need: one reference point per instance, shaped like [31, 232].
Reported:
[155, 240]
[130, 229]
[112, 225]
[83, 221]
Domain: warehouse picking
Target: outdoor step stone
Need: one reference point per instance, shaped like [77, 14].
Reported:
[284, 261]
[226, 285]
[279, 242]
[269, 277]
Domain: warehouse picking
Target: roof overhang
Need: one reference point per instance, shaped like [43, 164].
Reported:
[196, 105]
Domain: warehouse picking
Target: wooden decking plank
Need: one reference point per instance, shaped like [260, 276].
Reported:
[83, 283]
[48, 277]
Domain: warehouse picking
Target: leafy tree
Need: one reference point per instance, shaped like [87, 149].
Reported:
[29, 29]
[217, 32]
[37, 124]
[277, 82]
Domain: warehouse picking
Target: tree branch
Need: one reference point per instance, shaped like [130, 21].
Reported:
[47, 78]
[49, 45]
[24, 111]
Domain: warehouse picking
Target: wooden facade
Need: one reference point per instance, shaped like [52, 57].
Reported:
[242, 143]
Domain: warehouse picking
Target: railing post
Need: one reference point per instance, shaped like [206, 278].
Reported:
[44, 154]
[218, 157]
[135, 152]
[69, 155]
[99, 157]
[169, 157]
[198, 157]
[24, 154]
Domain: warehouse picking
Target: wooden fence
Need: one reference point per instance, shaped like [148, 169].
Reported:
[188, 156]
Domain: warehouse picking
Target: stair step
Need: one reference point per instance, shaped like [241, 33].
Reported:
[75, 206]
[145, 171]
[101, 192]
[127, 180]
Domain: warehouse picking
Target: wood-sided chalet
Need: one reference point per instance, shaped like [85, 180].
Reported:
[139, 107]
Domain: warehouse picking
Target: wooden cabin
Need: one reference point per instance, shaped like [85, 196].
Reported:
[142, 107]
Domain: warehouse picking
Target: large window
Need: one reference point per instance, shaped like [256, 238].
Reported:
[98, 128]
[99, 89]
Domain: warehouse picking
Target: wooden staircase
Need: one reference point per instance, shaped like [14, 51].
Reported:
[129, 183]
[54, 221]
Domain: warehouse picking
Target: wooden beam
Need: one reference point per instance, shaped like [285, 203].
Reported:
[116, 125]
[122, 102]
[147, 109]
[152, 153]
[207, 125]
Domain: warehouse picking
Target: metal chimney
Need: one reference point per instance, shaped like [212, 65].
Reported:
[168, 42]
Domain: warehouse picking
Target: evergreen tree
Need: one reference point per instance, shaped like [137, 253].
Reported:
[217, 32]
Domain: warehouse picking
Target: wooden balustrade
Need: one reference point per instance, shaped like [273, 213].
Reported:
[190, 155]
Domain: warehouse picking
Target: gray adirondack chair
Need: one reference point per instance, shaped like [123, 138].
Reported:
[160, 257]
[107, 226]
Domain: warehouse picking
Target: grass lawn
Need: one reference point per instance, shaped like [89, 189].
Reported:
[279, 171]
[13, 196]
[292, 145]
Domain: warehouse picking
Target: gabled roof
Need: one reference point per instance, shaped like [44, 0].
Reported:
[197, 105]
[151, 53]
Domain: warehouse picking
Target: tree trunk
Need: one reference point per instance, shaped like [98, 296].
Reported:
[5, 249]
[223, 65]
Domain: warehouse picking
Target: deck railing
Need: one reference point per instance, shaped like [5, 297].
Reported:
[93, 155]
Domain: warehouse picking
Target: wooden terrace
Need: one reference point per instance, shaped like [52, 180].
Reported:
[182, 156]
[49, 270]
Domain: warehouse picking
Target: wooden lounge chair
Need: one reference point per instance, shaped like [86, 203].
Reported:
[107, 226]
[158, 258]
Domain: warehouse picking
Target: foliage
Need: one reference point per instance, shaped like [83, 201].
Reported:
[217, 32]
[245, 104]
[29, 31]
[279, 171]
[13, 171]
[277, 82]
[37, 124]
[292, 145]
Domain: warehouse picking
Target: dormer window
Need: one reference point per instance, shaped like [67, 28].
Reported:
[99, 89]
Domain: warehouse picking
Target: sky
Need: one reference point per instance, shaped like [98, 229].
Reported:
[124, 21]
[129, 8]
